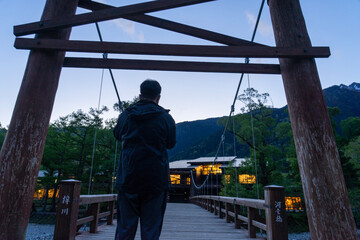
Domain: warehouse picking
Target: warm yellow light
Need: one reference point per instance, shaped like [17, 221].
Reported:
[247, 179]
[227, 178]
[39, 194]
[188, 181]
[198, 170]
[293, 203]
[215, 169]
[175, 179]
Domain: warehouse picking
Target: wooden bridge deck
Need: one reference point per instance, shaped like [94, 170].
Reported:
[183, 221]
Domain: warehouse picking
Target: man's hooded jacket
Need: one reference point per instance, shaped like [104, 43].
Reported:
[146, 130]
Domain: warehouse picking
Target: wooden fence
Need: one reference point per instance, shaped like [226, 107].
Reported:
[67, 222]
[275, 222]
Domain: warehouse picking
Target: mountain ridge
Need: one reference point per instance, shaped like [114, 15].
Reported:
[192, 136]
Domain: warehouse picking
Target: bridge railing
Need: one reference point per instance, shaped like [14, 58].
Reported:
[229, 208]
[67, 217]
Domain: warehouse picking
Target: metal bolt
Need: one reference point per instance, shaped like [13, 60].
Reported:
[41, 24]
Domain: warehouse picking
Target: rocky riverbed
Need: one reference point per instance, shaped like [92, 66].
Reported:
[40, 231]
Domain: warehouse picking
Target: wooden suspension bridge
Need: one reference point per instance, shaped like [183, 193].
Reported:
[227, 217]
[330, 215]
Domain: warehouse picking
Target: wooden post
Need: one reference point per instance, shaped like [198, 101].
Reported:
[95, 208]
[220, 209]
[215, 208]
[67, 210]
[276, 221]
[23, 147]
[236, 219]
[110, 218]
[251, 227]
[329, 213]
[227, 215]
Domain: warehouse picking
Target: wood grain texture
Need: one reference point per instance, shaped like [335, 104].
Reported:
[171, 49]
[158, 65]
[101, 15]
[183, 221]
[328, 208]
[23, 147]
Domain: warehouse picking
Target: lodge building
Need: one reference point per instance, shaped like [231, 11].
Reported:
[182, 172]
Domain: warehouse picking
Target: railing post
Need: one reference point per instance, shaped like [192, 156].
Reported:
[220, 209]
[215, 209]
[276, 222]
[251, 216]
[110, 218]
[212, 206]
[95, 207]
[67, 210]
[236, 219]
[227, 215]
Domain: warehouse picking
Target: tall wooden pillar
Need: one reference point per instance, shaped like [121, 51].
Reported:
[23, 147]
[326, 198]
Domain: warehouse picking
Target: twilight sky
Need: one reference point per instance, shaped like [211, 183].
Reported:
[190, 96]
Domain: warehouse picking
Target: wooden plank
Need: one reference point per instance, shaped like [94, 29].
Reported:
[101, 15]
[171, 65]
[174, 26]
[254, 203]
[179, 224]
[88, 199]
[81, 221]
[170, 49]
[104, 214]
[259, 225]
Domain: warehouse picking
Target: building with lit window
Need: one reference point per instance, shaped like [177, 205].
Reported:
[183, 171]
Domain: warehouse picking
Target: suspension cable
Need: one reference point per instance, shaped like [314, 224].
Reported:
[235, 97]
[253, 141]
[94, 143]
[105, 55]
[236, 175]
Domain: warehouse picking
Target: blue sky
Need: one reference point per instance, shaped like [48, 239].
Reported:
[190, 96]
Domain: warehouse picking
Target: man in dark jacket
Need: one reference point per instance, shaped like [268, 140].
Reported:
[146, 130]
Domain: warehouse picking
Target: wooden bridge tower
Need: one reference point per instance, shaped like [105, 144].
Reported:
[326, 198]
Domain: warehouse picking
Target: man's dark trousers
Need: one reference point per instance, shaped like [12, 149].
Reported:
[150, 207]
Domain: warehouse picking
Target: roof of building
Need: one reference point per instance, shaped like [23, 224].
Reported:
[192, 163]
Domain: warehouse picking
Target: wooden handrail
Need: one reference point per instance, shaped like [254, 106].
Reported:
[229, 207]
[68, 208]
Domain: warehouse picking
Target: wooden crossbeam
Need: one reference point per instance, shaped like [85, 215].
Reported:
[102, 15]
[171, 49]
[182, 66]
[173, 26]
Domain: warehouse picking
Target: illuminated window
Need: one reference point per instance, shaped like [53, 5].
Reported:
[293, 203]
[40, 194]
[247, 179]
[175, 179]
[198, 170]
[227, 178]
[188, 181]
[215, 169]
